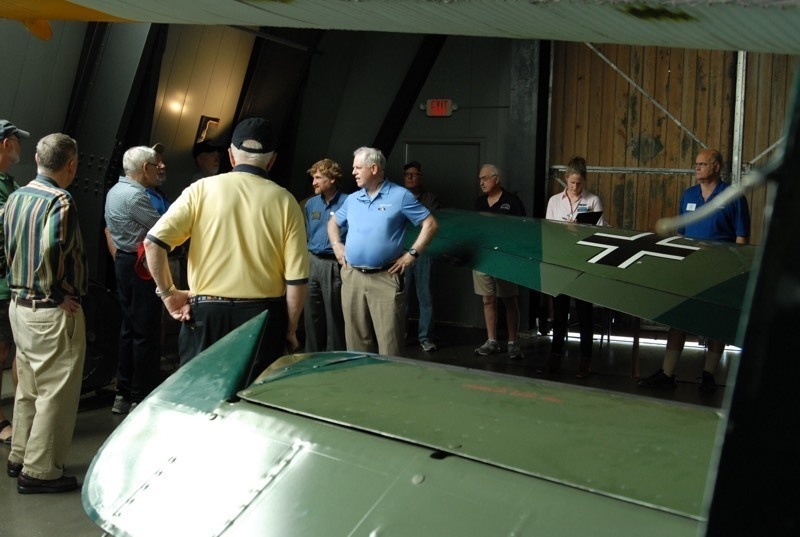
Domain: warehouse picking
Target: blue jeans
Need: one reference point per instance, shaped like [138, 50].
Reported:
[419, 277]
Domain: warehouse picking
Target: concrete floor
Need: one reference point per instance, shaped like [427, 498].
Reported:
[57, 515]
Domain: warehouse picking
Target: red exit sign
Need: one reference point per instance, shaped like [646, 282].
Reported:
[439, 107]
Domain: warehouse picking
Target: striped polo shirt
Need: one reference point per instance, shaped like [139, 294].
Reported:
[43, 244]
[129, 214]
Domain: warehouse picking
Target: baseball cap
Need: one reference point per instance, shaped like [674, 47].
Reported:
[257, 129]
[9, 129]
[204, 147]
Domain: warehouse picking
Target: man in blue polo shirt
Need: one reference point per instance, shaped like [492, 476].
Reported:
[731, 223]
[324, 322]
[373, 260]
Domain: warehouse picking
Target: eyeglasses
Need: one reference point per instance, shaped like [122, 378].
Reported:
[153, 164]
[484, 178]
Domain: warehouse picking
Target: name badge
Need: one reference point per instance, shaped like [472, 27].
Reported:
[691, 206]
[315, 215]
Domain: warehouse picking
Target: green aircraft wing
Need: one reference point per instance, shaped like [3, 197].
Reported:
[698, 286]
[363, 445]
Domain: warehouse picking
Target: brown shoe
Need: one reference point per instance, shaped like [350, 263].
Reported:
[31, 485]
[13, 468]
[584, 369]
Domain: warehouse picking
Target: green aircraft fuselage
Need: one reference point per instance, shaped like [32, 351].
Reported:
[357, 444]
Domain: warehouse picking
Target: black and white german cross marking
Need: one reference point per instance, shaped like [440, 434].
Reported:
[622, 251]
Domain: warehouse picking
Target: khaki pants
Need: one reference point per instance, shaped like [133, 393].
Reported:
[51, 346]
[374, 307]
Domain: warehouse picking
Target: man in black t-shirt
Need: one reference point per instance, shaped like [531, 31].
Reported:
[497, 200]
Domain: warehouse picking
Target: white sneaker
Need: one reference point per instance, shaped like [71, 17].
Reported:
[121, 406]
[428, 345]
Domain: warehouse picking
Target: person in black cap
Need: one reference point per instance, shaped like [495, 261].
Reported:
[247, 252]
[10, 149]
[158, 198]
[206, 158]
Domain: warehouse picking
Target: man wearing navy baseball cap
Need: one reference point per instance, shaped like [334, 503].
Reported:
[206, 157]
[247, 252]
[11, 138]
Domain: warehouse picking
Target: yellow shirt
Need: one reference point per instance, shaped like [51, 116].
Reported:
[248, 235]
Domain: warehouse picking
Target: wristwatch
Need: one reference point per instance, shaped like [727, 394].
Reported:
[413, 252]
[165, 294]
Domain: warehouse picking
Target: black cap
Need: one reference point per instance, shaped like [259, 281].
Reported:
[413, 164]
[204, 147]
[257, 129]
[9, 129]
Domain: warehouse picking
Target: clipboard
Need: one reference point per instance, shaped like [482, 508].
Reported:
[591, 217]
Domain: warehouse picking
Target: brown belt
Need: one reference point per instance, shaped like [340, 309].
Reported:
[24, 302]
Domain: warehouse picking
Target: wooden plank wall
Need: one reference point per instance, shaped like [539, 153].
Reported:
[598, 114]
[768, 88]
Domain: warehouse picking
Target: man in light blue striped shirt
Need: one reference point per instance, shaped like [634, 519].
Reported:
[129, 214]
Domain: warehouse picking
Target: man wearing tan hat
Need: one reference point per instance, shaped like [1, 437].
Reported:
[10, 149]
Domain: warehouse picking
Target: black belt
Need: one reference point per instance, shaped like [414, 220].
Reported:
[24, 302]
[197, 299]
[369, 270]
[331, 257]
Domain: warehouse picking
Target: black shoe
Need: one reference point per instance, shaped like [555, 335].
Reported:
[584, 369]
[707, 383]
[13, 468]
[551, 366]
[30, 485]
[545, 326]
[659, 379]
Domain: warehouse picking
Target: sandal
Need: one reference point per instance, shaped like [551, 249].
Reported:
[5, 424]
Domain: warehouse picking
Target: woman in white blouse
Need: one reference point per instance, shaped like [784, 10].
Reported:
[565, 207]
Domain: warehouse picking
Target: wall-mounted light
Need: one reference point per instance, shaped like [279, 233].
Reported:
[175, 106]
